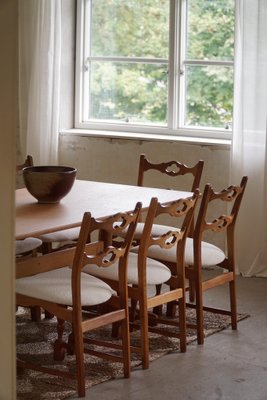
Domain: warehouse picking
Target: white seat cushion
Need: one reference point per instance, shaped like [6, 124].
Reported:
[28, 244]
[156, 271]
[211, 254]
[66, 235]
[55, 286]
[157, 230]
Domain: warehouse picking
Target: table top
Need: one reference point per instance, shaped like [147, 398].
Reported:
[99, 198]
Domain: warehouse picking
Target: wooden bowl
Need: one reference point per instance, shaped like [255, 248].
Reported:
[49, 184]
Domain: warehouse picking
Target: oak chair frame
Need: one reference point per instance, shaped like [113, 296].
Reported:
[224, 224]
[117, 308]
[27, 163]
[181, 208]
[173, 169]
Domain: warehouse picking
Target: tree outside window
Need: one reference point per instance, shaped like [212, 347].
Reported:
[128, 51]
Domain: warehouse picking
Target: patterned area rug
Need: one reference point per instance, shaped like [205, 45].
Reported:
[35, 344]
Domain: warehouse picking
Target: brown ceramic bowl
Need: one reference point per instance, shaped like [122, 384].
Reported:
[49, 184]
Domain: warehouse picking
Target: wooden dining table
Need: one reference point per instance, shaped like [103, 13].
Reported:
[99, 198]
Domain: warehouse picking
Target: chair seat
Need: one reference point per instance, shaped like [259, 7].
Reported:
[55, 286]
[156, 272]
[66, 235]
[26, 245]
[211, 254]
[157, 230]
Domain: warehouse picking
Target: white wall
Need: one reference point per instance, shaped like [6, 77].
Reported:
[116, 160]
[8, 123]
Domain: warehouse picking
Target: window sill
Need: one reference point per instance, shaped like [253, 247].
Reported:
[147, 137]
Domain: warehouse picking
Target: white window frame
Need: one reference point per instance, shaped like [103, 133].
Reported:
[177, 63]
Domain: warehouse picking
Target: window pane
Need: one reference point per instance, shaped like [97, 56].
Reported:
[210, 29]
[136, 28]
[128, 92]
[209, 96]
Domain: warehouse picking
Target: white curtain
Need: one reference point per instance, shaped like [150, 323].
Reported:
[249, 148]
[39, 78]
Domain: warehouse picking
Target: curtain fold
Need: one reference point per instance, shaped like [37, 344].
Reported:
[39, 73]
[248, 154]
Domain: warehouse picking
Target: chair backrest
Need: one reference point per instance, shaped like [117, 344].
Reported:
[98, 252]
[182, 209]
[19, 178]
[171, 169]
[101, 252]
[27, 163]
[219, 223]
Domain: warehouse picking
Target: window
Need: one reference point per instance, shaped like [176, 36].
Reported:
[159, 66]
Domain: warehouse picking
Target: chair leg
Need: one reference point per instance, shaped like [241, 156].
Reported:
[59, 345]
[115, 330]
[191, 290]
[144, 333]
[48, 315]
[171, 309]
[36, 314]
[182, 323]
[233, 304]
[79, 352]
[46, 247]
[199, 312]
[70, 346]
[158, 310]
[126, 348]
[132, 311]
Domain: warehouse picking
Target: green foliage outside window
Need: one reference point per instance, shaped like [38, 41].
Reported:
[209, 94]
[137, 92]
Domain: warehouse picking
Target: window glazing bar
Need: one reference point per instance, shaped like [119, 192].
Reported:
[209, 62]
[129, 60]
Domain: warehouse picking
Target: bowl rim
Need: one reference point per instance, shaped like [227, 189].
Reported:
[45, 169]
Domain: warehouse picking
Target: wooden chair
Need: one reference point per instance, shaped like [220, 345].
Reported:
[144, 272]
[28, 248]
[27, 163]
[200, 253]
[47, 281]
[166, 171]
[61, 239]
[28, 245]
[170, 169]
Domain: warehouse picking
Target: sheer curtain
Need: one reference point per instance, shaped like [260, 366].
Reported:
[249, 148]
[39, 78]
